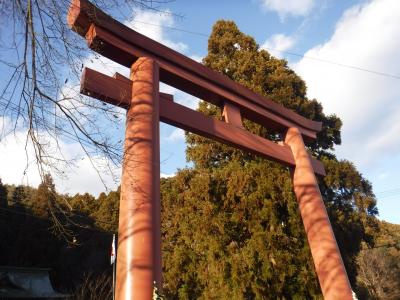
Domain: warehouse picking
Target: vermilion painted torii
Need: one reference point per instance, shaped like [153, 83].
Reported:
[139, 243]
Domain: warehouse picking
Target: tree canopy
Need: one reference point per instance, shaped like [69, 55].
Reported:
[379, 267]
[231, 223]
[3, 195]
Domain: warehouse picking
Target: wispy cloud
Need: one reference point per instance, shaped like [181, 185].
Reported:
[289, 7]
[18, 165]
[79, 175]
[176, 135]
[278, 43]
[162, 175]
[367, 103]
[152, 24]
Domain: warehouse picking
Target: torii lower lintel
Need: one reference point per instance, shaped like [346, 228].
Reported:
[117, 91]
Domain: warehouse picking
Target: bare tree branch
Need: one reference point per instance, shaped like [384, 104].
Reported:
[41, 61]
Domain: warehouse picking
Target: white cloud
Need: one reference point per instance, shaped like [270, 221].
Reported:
[80, 176]
[180, 97]
[150, 24]
[84, 177]
[277, 43]
[186, 99]
[176, 135]
[197, 58]
[368, 104]
[5, 126]
[18, 165]
[288, 7]
[13, 160]
[162, 175]
[383, 176]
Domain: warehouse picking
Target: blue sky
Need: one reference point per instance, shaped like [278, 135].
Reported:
[347, 34]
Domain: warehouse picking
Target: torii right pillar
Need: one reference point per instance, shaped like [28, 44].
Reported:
[328, 262]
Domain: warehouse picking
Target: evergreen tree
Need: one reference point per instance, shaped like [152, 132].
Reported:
[18, 195]
[379, 267]
[3, 195]
[108, 211]
[44, 200]
[85, 203]
[231, 224]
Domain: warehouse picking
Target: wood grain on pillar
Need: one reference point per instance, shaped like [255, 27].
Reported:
[139, 251]
[328, 262]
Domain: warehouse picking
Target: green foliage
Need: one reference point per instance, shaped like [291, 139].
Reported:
[94, 287]
[85, 203]
[231, 225]
[28, 236]
[157, 295]
[106, 215]
[351, 206]
[44, 199]
[238, 56]
[379, 267]
[230, 236]
[388, 234]
[3, 195]
[18, 195]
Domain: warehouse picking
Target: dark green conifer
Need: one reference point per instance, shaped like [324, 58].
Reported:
[231, 224]
[18, 195]
[3, 195]
[106, 215]
[44, 200]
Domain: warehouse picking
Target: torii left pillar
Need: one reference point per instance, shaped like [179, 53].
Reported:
[139, 241]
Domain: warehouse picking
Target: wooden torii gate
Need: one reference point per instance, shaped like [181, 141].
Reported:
[139, 243]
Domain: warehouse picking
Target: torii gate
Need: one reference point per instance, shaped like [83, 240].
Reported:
[139, 243]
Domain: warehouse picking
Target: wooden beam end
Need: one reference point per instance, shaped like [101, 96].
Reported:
[77, 18]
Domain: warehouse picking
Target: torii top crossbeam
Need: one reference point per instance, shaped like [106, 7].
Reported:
[139, 255]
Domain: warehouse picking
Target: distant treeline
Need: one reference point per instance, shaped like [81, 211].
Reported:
[72, 235]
